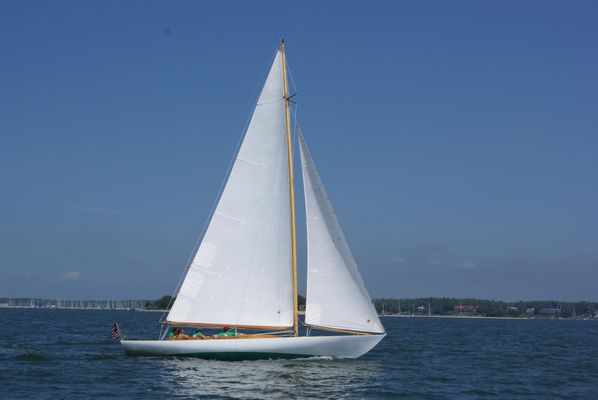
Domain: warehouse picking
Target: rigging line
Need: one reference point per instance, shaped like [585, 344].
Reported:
[291, 75]
[298, 131]
[294, 110]
[260, 83]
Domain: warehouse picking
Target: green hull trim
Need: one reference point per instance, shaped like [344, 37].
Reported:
[232, 356]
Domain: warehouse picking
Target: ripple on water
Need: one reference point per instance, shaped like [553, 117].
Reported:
[31, 357]
[68, 354]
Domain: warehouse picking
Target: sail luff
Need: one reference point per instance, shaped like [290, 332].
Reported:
[291, 191]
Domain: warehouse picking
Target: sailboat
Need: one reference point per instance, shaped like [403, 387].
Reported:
[244, 273]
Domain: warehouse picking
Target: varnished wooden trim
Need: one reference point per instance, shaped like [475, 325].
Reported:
[291, 189]
[258, 336]
[210, 325]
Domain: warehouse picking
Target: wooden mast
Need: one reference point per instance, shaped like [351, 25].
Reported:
[291, 190]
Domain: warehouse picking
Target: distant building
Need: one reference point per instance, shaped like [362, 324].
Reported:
[530, 311]
[512, 309]
[550, 311]
[465, 308]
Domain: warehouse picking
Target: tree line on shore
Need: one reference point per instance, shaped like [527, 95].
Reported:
[489, 308]
[452, 306]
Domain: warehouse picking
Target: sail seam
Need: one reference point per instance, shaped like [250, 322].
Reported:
[230, 217]
[205, 269]
[269, 102]
[250, 162]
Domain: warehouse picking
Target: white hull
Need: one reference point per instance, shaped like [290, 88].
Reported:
[350, 346]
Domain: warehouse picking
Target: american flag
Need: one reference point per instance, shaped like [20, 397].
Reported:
[115, 332]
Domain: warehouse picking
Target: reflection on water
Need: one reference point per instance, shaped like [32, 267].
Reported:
[270, 379]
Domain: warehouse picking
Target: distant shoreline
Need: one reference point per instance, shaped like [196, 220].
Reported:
[484, 317]
[455, 316]
[540, 318]
[388, 307]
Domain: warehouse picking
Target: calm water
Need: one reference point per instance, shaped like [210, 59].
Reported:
[68, 354]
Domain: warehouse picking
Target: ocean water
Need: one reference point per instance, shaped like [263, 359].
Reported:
[69, 354]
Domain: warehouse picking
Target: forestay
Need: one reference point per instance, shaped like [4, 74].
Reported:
[241, 274]
[336, 295]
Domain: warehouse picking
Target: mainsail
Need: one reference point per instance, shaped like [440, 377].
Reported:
[336, 295]
[241, 274]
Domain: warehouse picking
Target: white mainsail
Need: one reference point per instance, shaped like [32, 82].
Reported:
[241, 274]
[336, 295]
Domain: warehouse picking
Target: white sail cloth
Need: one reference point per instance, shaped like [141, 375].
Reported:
[336, 295]
[241, 274]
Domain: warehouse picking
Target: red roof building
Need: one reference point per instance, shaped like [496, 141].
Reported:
[465, 308]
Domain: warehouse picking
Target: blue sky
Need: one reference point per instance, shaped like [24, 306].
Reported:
[458, 140]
